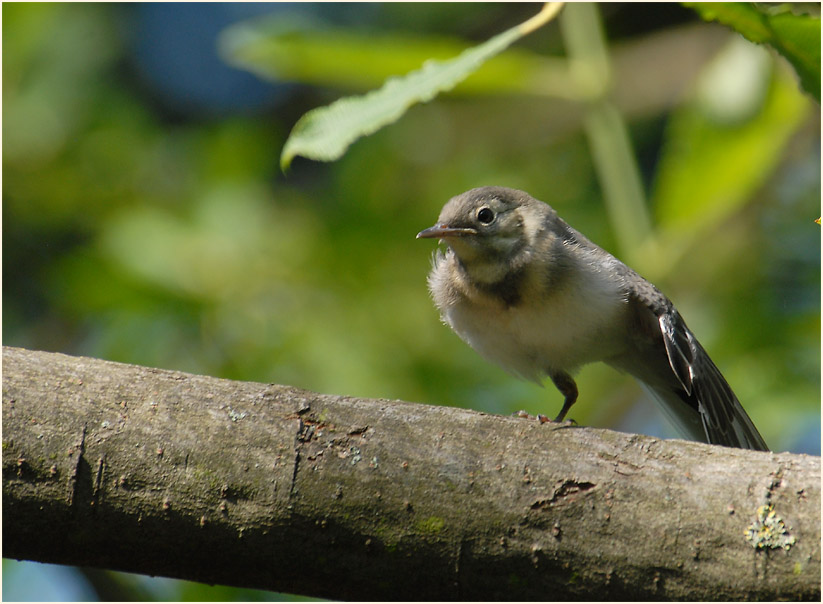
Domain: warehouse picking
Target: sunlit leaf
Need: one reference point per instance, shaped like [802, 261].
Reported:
[325, 133]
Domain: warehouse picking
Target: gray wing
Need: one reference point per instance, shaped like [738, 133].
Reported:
[669, 361]
[663, 354]
[704, 388]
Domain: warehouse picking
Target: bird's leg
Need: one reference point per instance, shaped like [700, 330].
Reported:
[568, 388]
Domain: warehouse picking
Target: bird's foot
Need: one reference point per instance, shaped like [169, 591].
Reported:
[543, 419]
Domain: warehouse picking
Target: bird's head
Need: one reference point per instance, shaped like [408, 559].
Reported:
[487, 225]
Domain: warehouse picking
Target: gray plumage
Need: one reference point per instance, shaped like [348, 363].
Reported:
[532, 294]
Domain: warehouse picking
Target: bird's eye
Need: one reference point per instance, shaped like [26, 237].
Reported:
[485, 215]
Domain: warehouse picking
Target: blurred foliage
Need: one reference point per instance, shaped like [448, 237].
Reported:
[795, 36]
[317, 53]
[326, 132]
[136, 232]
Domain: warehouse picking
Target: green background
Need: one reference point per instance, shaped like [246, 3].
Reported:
[151, 231]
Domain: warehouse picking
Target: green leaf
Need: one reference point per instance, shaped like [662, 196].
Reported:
[325, 133]
[796, 37]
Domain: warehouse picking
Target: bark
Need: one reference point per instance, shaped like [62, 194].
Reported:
[164, 473]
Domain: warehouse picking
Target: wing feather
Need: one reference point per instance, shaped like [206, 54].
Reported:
[725, 422]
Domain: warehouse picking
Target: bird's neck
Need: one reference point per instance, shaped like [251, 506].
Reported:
[490, 264]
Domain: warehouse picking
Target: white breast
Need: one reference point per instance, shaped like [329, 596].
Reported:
[546, 330]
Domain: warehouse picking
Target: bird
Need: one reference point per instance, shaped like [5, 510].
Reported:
[535, 296]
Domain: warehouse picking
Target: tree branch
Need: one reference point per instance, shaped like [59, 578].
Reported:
[164, 473]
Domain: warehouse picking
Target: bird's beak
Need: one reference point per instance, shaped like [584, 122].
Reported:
[443, 231]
